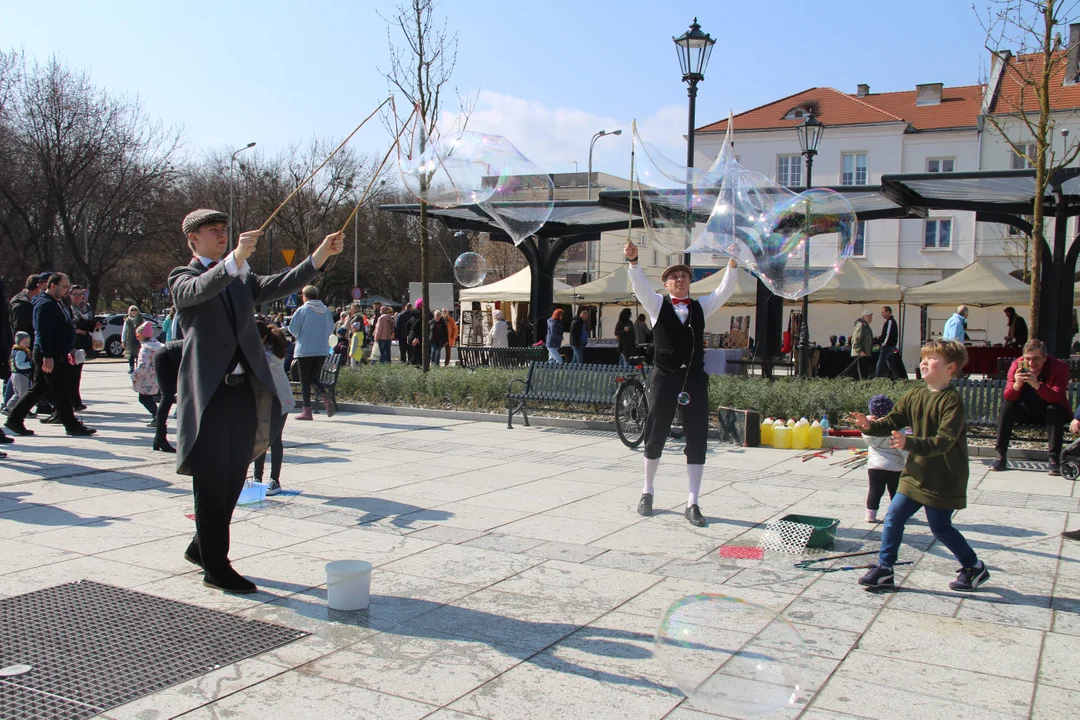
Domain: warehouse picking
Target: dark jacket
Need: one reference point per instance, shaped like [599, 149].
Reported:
[418, 325]
[55, 335]
[22, 314]
[626, 338]
[554, 333]
[579, 333]
[890, 334]
[401, 326]
[440, 333]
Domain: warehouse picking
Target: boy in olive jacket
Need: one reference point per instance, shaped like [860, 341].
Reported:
[936, 472]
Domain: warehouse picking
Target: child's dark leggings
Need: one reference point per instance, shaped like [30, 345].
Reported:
[879, 480]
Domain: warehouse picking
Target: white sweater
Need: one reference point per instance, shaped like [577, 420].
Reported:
[882, 457]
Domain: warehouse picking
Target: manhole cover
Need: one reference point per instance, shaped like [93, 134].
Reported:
[92, 647]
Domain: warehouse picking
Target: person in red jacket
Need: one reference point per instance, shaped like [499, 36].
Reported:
[1035, 393]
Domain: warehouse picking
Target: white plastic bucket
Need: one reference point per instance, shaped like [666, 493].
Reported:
[348, 584]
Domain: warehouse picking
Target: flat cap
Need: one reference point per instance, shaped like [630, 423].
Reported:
[197, 218]
[674, 269]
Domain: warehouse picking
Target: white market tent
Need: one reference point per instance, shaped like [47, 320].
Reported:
[516, 288]
[745, 287]
[980, 284]
[611, 289]
[854, 284]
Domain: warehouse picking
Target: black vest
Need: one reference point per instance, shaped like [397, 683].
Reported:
[677, 345]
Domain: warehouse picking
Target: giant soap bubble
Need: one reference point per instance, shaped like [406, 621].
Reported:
[470, 269]
[732, 657]
[794, 242]
[470, 168]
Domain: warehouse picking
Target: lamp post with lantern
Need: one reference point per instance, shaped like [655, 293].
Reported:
[810, 132]
[694, 48]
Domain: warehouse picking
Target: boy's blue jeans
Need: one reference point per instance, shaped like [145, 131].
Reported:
[902, 508]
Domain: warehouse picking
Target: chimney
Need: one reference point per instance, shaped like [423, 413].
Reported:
[1071, 64]
[928, 94]
[863, 90]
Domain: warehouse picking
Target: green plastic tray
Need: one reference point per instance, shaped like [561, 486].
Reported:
[824, 533]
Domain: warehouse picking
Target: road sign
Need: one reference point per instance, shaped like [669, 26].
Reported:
[288, 255]
[290, 302]
[357, 293]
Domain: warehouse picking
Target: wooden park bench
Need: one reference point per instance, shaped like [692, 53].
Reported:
[553, 384]
[471, 356]
[329, 376]
[983, 398]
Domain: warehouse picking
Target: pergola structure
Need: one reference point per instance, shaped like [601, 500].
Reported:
[995, 196]
[571, 222]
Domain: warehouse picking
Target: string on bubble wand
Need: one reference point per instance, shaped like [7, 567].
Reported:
[378, 171]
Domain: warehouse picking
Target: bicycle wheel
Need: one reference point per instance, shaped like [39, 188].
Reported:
[677, 431]
[631, 409]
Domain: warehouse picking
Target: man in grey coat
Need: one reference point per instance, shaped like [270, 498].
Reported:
[224, 386]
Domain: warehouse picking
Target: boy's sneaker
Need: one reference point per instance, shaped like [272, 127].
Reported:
[968, 579]
[999, 464]
[877, 577]
[273, 488]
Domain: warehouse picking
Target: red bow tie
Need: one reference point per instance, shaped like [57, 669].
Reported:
[680, 301]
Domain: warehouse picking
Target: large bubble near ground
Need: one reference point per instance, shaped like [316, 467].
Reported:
[471, 168]
[794, 242]
[731, 657]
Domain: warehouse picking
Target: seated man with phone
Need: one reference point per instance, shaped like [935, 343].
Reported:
[1035, 394]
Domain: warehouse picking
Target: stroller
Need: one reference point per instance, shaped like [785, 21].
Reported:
[1070, 460]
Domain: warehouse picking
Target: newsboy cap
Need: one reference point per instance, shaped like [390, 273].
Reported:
[197, 218]
[675, 269]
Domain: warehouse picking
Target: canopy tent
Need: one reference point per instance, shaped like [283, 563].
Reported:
[979, 284]
[369, 301]
[745, 287]
[516, 288]
[611, 289]
[855, 285]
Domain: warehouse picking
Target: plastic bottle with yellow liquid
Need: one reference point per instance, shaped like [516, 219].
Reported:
[781, 436]
[815, 436]
[766, 431]
[800, 435]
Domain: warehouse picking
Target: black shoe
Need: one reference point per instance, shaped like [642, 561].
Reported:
[4, 439]
[1071, 534]
[193, 554]
[80, 430]
[50, 420]
[1055, 469]
[79, 408]
[18, 428]
[163, 445]
[3, 455]
[229, 581]
[151, 423]
[693, 515]
[877, 578]
[968, 579]
[644, 506]
[999, 464]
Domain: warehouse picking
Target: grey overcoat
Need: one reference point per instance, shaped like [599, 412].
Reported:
[211, 335]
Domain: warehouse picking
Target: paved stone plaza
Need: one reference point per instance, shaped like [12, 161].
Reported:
[513, 578]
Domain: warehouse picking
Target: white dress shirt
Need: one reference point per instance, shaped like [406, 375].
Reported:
[234, 271]
[652, 301]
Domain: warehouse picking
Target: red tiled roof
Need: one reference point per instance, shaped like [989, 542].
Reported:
[1026, 68]
[958, 108]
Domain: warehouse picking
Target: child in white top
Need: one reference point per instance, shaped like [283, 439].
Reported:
[883, 464]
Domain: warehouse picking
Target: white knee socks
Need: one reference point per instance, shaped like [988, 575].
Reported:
[650, 475]
[694, 472]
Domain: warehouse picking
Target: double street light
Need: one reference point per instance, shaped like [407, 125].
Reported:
[694, 48]
[810, 132]
[232, 174]
[597, 136]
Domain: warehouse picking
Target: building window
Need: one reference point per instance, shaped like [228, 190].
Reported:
[938, 235]
[789, 170]
[854, 169]
[655, 258]
[1019, 162]
[859, 249]
[940, 165]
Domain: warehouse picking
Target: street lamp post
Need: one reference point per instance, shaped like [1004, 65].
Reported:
[694, 48]
[597, 136]
[590, 247]
[232, 174]
[810, 132]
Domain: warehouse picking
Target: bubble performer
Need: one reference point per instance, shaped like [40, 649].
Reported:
[678, 373]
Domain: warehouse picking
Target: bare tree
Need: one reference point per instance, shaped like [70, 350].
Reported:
[1033, 28]
[503, 258]
[420, 71]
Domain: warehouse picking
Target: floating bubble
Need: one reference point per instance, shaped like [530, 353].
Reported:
[470, 269]
[470, 168]
[732, 657]
[794, 242]
[684, 398]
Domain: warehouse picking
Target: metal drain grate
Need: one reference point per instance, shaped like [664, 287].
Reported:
[94, 646]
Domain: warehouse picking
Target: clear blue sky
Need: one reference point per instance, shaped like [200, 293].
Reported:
[549, 73]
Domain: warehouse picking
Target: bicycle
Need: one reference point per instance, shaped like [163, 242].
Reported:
[632, 406]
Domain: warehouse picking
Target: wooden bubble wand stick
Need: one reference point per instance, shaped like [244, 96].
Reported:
[324, 162]
[378, 171]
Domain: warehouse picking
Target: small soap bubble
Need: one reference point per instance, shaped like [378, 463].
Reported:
[684, 398]
[470, 269]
